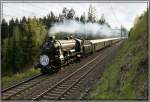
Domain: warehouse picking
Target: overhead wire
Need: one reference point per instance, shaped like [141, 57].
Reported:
[113, 12]
[120, 24]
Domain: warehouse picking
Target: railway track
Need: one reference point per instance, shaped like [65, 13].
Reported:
[61, 90]
[14, 91]
[20, 87]
[64, 87]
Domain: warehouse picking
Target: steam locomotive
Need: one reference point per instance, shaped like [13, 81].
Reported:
[57, 53]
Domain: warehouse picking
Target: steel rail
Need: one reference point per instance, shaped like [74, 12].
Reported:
[20, 83]
[79, 79]
[6, 93]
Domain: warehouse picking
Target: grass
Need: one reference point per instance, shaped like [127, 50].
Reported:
[9, 80]
[127, 76]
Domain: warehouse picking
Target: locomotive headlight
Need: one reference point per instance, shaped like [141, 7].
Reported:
[44, 60]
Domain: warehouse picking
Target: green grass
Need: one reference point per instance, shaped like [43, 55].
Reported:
[9, 80]
[126, 77]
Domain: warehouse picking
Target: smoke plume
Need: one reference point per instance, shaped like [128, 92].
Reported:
[74, 27]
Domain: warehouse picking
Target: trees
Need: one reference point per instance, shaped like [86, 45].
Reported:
[20, 49]
[11, 26]
[102, 20]
[71, 14]
[125, 32]
[4, 29]
[77, 19]
[82, 18]
[67, 14]
[23, 19]
[51, 19]
[91, 14]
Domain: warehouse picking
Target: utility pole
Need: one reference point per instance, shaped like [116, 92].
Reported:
[121, 31]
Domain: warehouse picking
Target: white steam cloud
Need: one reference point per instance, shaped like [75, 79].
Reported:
[74, 27]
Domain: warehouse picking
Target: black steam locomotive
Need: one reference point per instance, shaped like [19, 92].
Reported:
[56, 53]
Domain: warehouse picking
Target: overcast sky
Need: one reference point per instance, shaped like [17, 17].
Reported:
[115, 13]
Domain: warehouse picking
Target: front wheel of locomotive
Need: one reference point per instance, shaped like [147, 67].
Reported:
[53, 68]
[57, 65]
[46, 70]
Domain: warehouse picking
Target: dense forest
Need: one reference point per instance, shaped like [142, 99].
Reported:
[20, 43]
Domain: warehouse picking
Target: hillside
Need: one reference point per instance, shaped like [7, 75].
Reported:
[127, 76]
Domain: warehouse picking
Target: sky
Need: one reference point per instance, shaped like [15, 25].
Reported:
[116, 14]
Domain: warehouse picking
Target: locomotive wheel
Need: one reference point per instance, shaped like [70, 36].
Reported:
[57, 65]
[52, 68]
[47, 70]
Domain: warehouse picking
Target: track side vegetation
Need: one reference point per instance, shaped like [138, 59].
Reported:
[127, 76]
[8, 81]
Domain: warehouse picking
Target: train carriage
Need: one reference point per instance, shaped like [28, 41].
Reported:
[87, 49]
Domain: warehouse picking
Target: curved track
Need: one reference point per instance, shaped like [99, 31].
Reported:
[59, 90]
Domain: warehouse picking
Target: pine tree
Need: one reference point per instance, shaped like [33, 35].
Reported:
[24, 20]
[17, 51]
[16, 22]
[11, 26]
[4, 29]
[102, 20]
[91, 14]
[71, 14]
[82, 19]
[77, 19]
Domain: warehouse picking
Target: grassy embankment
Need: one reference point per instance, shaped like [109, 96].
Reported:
[9, 80]
[127, 76]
